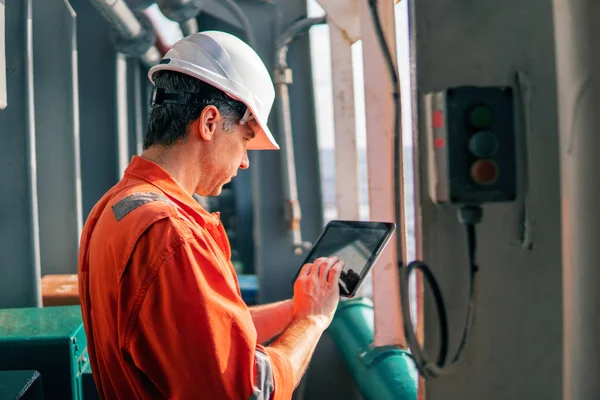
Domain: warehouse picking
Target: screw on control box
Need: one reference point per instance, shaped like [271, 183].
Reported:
[471, 145]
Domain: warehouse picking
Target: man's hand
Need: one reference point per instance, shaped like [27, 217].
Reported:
[316, 297]
[316, 291]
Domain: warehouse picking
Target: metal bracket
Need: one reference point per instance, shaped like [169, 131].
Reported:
[523, 84]
[283, 76]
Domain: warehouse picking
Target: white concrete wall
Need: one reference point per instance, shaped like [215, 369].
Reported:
[515, 348]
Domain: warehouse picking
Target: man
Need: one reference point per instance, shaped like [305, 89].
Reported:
[160, 299]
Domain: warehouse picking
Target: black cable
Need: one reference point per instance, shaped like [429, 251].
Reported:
[397, 118]
[439, 303]
[468, 216]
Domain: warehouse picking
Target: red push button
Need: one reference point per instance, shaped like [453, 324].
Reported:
[484, 172]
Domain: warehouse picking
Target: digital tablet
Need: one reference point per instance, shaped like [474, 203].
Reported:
[357, 243]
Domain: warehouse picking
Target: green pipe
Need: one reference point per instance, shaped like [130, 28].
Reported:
[380, 373]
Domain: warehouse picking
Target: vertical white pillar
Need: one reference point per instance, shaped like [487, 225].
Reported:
[380, 112]
[578, 79]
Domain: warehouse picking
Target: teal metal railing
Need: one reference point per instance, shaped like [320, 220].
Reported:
[380, 373]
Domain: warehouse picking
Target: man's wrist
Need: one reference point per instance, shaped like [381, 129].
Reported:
[317, 321]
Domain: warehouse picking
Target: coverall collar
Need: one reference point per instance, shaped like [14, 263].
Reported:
[155, 175]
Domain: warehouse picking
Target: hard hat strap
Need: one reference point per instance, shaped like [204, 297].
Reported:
[247, 116]
[162, 96]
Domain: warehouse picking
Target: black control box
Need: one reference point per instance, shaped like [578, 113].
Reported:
[471, 145]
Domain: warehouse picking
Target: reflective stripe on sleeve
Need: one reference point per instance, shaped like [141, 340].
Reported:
[131, 202]
[264, 386]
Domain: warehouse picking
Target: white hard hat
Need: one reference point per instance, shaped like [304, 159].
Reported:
[227, 63]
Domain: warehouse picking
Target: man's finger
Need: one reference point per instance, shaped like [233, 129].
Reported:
[306, 270]
[325, 267]
[335, 272]
[317, 265]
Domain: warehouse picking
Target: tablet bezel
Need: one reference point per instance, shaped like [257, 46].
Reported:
[388, 227]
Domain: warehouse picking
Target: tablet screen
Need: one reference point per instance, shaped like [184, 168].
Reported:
[357, 244]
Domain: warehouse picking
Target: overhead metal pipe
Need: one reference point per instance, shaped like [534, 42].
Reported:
[241, 16]
[143, 7]
[132, 35]
[283, 78]
[139, 5]
[120, 17]
[182, 11]
[288, 36]
[578, 78]
[189, 27]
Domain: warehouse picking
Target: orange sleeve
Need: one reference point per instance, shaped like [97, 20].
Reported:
[282, 374]
[194, 337]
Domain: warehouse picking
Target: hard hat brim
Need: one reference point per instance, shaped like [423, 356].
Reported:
[263, 139]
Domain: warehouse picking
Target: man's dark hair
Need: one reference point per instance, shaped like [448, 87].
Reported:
[170, 122]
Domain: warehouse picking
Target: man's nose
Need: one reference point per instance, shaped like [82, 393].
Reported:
[245, 161]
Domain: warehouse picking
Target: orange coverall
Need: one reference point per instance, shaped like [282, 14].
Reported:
[161, 304]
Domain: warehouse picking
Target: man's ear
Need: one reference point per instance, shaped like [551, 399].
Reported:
[208, 121]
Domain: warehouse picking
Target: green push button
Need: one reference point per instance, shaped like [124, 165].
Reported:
[481, 117]
[483, 144]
